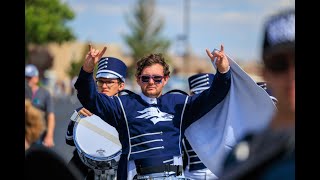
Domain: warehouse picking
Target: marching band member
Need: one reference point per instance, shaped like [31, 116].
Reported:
[110, 80]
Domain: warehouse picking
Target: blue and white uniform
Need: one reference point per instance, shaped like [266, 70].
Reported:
[108, 67]
[151, 129]
[194, 167]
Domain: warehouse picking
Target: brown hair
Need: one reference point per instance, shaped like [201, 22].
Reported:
[151, 60]
[34, 123]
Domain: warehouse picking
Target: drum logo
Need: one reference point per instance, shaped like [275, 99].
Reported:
[101, 152]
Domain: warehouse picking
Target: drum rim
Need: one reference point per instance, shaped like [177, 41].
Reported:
[111, 157]
[84, 158]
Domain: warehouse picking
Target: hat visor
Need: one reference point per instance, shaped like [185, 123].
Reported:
[278, 49]
[108, 75]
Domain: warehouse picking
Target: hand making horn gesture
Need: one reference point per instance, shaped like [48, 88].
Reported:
[222, 61]
[92, 58]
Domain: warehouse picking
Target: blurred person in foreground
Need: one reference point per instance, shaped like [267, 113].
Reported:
[42, 162]
[41, 99]
[110, 79]
[34, 124]
[270, 154]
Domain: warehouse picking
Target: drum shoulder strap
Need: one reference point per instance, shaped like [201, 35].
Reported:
[75, 116]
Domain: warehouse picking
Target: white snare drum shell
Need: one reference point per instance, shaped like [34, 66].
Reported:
[97, 139]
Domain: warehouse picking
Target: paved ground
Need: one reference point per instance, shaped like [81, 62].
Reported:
[64, 108]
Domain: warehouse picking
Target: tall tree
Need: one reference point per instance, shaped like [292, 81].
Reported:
[45, 22]
[145, 37]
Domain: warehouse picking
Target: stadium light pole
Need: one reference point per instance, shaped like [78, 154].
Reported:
[186, 14]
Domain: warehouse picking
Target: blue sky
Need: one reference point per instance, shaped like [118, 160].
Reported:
[235, 23]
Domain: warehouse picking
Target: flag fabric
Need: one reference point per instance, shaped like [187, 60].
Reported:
[246, 108]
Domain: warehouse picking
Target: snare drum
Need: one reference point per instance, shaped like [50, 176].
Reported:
[97, 143]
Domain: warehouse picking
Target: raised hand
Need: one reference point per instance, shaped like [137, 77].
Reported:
[92, 58]
[222, 61]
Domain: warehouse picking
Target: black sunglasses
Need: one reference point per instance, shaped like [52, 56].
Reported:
[279, 63]
[146, 78]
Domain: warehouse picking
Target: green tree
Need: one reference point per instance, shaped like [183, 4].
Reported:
[45, 22]
[75, 67]
[145, 37]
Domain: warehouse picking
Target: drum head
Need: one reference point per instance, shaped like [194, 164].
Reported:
[96, 138]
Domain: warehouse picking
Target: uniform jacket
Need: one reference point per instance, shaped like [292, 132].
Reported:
[151, 129]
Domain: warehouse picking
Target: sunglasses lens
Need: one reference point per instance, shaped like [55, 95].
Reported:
[278, 66]
[279, 63]
[145, 79]
[157, 79]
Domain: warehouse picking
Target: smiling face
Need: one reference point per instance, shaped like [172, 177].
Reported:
[149, 80]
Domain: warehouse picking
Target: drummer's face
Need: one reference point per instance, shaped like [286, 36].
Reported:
[109, 86]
